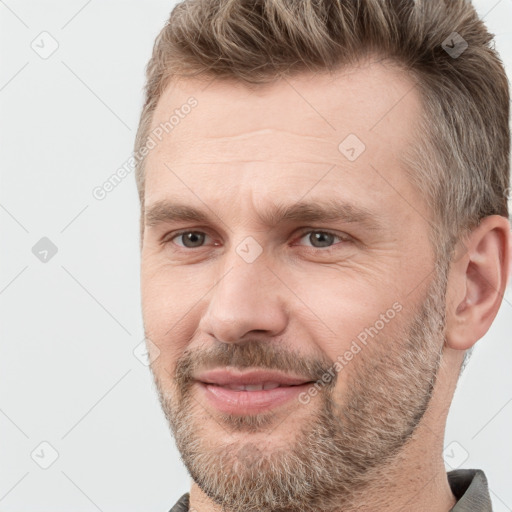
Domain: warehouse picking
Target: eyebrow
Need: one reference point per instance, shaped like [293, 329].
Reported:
[167, 211]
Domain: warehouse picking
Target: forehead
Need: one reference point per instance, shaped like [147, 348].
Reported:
[372, 97]
[290, 131]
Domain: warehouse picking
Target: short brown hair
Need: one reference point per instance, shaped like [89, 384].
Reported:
[461, 151]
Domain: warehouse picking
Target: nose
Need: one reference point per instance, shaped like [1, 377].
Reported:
[247, 300]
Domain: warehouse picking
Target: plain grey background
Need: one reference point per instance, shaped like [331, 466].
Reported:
[75, 397]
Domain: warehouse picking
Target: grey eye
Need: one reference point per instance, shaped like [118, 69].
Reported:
[191, 239]
[321, 239]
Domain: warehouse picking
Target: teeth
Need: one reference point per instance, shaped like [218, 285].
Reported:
[253, 387]
[234, 387]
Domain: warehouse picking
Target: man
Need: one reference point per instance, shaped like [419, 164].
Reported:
[324, 235]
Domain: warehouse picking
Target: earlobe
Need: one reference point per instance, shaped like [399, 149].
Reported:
[477, 283]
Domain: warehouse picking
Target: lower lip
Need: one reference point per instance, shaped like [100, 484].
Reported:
[231, 401]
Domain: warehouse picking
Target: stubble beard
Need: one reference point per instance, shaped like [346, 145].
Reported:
[335, 456]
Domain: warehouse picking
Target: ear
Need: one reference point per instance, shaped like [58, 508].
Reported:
[477, 282]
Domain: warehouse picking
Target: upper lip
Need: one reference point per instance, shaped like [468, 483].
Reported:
[225, 377]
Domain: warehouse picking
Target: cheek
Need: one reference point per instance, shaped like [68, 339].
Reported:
[343, 312]
[169, 310]
[164, 287]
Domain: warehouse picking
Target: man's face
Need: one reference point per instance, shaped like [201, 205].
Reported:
[246, 290]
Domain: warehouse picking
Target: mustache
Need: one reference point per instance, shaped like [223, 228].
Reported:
[257, 354]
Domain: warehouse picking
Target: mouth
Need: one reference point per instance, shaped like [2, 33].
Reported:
[250, 392]
[265, 386]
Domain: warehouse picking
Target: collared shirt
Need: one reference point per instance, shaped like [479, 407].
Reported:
[469, 486]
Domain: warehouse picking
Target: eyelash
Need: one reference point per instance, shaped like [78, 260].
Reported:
[346, 238]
